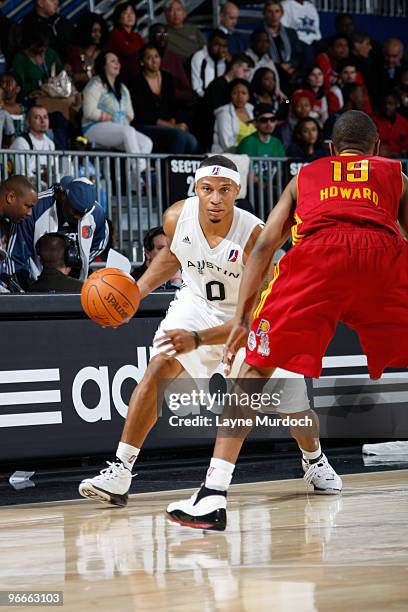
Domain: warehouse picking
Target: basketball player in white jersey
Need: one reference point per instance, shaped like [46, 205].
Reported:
[210, 239]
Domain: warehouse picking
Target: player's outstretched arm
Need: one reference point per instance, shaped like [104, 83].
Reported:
[274, 234]
[403, 206]
[165, 265]
[179, 341]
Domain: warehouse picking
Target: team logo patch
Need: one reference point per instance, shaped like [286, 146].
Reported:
[251, 341]
[215, 171]
[263, 327]
[233, 256]
[263, 347]
[86, 231]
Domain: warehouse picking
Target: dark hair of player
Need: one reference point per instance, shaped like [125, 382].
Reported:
[218, 160]
[354, 130]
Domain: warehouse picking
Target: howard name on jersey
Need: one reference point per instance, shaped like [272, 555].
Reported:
[213, 274]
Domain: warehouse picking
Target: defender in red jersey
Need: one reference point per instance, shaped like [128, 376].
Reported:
[349, 262]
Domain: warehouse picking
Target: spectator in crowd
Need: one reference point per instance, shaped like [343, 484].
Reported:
[123, 40]
[262, 143]
[392, 128]
[35, 139]
[393, 65]
[10, 84]
[366, 60]
[338, 49]
[45, 16]
[170, 61]
[307, 142]
[402, 92]
[229, 15]
[259, 54]
[348, 73]
[153, 242]
[108, 111]
[344, 24]
[34, 63]
[53, 251]
[263, 86]
[284, 45]
[184, 38]
[90, 37]
[68, 207]
[6, 123]
[325, 102]
[5, 27]
[153, 95]
[233, 121]
[353, 95]
[209, 62]
[302, 17]
[301, 106]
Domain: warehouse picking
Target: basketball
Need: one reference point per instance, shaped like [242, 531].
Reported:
[110, 297]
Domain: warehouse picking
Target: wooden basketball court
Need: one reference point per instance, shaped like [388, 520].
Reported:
[283, 550]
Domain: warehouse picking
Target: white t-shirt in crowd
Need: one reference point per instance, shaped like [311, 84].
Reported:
[303, 18]
[39, 144]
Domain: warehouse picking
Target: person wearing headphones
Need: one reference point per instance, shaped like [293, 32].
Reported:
[57, 254]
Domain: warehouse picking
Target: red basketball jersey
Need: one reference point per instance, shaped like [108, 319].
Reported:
[348, 190]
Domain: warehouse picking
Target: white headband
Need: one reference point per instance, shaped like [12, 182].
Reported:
[218, 171]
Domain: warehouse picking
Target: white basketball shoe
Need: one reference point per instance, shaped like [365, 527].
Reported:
[206, 509]
[111, 486]
[322, 476]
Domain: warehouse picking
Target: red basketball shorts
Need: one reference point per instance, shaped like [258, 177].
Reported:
[356, 276]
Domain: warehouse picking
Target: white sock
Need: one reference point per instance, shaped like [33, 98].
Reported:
[219, 474]
[127, 454]
[311, 455]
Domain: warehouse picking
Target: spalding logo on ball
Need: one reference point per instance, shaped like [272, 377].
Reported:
[110, 297]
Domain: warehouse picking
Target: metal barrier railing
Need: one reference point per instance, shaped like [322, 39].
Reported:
[135, 190]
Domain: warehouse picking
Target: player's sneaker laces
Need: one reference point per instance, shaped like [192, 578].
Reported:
[206, 509]
[111, 486]
[322, 476]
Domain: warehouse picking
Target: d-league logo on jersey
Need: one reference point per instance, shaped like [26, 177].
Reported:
[233, 255]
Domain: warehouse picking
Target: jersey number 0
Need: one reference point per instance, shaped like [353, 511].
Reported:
[215, 291]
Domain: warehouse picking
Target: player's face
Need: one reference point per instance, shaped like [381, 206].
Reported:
[217, 196]
[20, 206]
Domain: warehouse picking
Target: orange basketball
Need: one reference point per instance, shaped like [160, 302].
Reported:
[110, 297]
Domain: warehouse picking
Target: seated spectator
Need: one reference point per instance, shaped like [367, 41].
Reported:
[261, 143]
[259, 54]
[6, 124]
[153, 242]
[392, 128]
[35, 139]
[301, 106]
[402, 91]
[54, 257]
[263, 86]
[10, 84]
[218, 94]
[353, 100]
[338, 49]
[209, 62]
[155, 106]
[5, 27]
[348, 74]
[325, 101]
[184, 38]
[170, 61]
[69, 207]
[33, 65]
[123, 40]
[90, 37]
[229, 15]
[303, 18]
[45, 17]
[393, 64]
[365, 60]
[233, 121]
[284, 45]
[307, 142]
[108, 111]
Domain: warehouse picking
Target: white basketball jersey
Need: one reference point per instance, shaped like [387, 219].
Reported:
[213, 275]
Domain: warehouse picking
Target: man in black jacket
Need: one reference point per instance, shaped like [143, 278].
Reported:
[59, 28]
[53, 252]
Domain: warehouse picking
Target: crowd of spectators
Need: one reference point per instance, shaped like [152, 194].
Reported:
[181, 90]
[275, 91]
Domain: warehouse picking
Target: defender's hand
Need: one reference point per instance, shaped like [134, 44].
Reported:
[237, 339]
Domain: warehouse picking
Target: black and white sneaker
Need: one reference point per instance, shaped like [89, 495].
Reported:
[322, 476]
[110, 486]
[206, 509]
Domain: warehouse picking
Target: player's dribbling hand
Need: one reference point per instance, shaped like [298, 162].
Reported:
[175, 342]
[236, 340]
